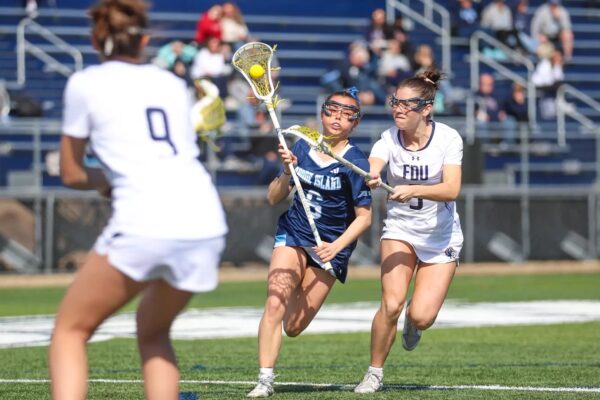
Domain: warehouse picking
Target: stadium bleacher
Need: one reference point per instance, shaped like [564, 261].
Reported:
[309, 44]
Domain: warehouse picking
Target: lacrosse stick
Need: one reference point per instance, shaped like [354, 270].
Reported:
[258, 56]
[208, 114]
[315, 140]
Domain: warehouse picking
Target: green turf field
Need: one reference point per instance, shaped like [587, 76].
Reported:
[447, 364]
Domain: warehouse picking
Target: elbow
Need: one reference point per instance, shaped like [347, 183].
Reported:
[272, 201]
[70, 178]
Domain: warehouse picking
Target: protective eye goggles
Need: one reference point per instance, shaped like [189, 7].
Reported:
[330, 107]
[412, 104]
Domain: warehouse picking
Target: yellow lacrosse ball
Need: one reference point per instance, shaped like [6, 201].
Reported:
[256, 71]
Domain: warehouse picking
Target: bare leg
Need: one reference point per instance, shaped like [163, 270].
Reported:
[307, 300]
[97, 291]
[398, 263]
[431, 287]
[285, 274]
[158, 308]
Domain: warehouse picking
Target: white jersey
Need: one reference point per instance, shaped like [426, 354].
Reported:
[138, 124]
[432, 227]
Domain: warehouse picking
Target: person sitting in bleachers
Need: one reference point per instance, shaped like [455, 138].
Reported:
[547, 77]
[357, 70]
[522, 23]
[517, 112]
[211, 62]
[489, 114]
[465, 19]
[234, 30]
[379, 32]
[172, 51]
[209, 24]
[394, 66]
[497, 18]
[554, 21]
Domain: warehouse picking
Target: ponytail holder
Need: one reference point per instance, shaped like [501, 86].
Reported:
[108, 46]
[353, 92]
[426, 79]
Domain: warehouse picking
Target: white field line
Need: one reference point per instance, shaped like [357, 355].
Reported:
[344, 386]
[196, 324]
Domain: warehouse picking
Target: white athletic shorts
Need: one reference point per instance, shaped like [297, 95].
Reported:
[432, 253]
[190, 265]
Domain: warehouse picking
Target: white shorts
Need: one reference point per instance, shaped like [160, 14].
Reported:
[438, 253]
[190, 265]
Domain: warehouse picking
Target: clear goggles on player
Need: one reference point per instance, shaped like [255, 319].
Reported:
[330, 107]
[412, 104]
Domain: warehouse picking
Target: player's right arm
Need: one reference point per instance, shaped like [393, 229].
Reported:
[73, 172]
[280, 188]
[378, 159]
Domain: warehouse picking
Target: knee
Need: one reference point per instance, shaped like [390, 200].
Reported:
[421, 319]
[274, 308]
[391, 309]
[291, 329]
[147, 334]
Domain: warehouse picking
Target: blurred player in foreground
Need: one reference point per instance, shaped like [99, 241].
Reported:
[341, 206]
[422, 229]
[166, 233]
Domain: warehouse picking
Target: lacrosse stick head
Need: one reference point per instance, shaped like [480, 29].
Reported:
[313, 137]
[249, 55]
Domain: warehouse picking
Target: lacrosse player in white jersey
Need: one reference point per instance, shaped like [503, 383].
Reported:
[166, 234]
[422, 229]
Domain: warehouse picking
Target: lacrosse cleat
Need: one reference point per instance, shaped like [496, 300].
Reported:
[410, 335]
[371, 383]
[264, 388]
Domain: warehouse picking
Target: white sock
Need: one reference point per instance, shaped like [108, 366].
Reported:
[376, 371]
[266, 373]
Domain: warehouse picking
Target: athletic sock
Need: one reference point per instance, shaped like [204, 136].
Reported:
[376, 371]
[266, 373]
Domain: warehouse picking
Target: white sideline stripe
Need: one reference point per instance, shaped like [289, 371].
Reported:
[347, 386]
[208, 323]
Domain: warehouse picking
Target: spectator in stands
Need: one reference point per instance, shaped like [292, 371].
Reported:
[497, 17]
[379, 32]
[234, 30]
[401, 27]
[465, 19]
[182, 70]
[209, 25]
[522, 23]
[357, 71]
[447, 97]
[175, 50]
[394, 66]
[489, 114]
[547, 77]
[210, 62]
[554, 21]
[517, 112]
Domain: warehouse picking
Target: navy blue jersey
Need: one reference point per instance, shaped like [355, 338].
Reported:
[333, 191]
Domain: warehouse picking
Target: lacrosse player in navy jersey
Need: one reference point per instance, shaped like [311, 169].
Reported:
[167, 229]
[340, 203]
[422, 228]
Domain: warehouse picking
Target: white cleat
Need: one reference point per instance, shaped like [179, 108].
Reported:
[371, 383]
[410, 335]
[264, 388]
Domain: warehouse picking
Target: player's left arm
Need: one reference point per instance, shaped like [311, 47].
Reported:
[327, 251]
[74, 173]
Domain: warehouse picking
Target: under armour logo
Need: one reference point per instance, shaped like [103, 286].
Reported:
[335, 170]
[416, 158]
